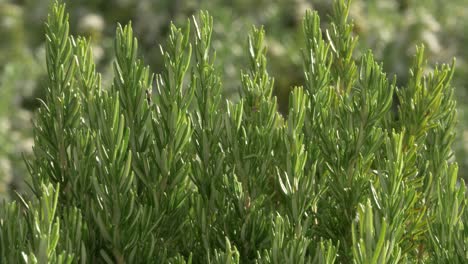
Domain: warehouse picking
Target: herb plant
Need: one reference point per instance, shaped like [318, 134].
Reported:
[126, 174]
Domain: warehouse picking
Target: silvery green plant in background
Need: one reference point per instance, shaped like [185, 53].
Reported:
[125, 174]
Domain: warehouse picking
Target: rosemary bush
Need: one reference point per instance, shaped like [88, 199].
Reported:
[176, 175]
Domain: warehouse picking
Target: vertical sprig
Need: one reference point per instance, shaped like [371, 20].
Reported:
[371, 241]
[60, 113]
[427, 113]
[251, 136]
[448, 194]
[34, 234]
[297, 184]
[88, 80]
[113, 207]
[342, 43]
[285, 242]
[447, 232]
[316, 55]
[346, 115]
[229, 256]
[59, 56]
[133, 81]
[170, 153]
[171, 123]
[395, 195]
[170, 84]
[253, 150]
[208, 167]
[13, 232]
[207, 117]
[44, 229]
[423, 103]
[317, 60]
[257, 85]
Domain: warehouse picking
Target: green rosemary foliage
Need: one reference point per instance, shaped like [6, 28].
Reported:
[124, 176]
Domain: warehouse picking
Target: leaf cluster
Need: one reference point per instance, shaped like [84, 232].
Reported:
[132, 174]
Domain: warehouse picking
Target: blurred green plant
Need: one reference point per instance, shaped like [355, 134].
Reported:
[15, 126]
[120, 175]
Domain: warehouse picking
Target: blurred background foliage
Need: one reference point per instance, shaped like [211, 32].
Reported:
[391, 28]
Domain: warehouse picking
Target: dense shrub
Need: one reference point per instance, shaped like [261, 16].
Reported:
[390, 28]
[125, 175]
